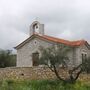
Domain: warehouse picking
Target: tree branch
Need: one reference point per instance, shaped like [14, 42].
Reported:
[77, 75]
[57, 74]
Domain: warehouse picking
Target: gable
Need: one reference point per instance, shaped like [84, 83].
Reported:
[54, 40]
[33, 40]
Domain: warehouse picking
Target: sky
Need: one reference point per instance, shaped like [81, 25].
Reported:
[67, 19]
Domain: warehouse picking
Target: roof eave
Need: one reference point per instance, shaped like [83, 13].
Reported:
[23, 43]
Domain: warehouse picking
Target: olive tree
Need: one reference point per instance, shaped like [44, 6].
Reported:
[56, 56]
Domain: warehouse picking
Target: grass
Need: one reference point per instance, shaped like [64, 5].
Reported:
[42, 85]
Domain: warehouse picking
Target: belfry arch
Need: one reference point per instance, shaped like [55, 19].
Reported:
[36, 28]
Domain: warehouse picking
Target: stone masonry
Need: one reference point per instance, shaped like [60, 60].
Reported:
[31, 45]
[34, 73]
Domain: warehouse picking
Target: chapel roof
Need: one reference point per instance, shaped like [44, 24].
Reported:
[54, 39]
[63, 41]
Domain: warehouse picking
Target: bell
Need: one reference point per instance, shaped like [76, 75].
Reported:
[36, 26]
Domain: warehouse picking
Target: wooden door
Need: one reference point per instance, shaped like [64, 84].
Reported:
[35, 58]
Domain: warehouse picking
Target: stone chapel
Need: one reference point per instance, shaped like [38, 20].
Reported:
[28, 52]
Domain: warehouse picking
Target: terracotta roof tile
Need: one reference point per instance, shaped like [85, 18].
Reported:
[71, 43]
[53, 39]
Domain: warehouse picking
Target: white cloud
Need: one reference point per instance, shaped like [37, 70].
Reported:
[68, 19]
[66, 34]
[10, 37]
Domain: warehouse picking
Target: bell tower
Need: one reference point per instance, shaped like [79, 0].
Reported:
[36, 28]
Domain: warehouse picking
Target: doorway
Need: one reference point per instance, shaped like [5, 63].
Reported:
[35, 59]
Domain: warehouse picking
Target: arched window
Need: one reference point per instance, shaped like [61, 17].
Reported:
[84, 57]
[36, 28]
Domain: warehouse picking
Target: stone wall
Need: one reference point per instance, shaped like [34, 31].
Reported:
[26, 73]
[35, 73]
[24, 54]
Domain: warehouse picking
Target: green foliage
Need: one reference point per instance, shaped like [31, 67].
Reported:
[86, 65]
[12, 60]
[55, 55]
[7, 59]
[42, 85]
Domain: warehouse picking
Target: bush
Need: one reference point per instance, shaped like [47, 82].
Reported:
[7, 59]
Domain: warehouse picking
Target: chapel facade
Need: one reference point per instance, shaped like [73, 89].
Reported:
[28, 52]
